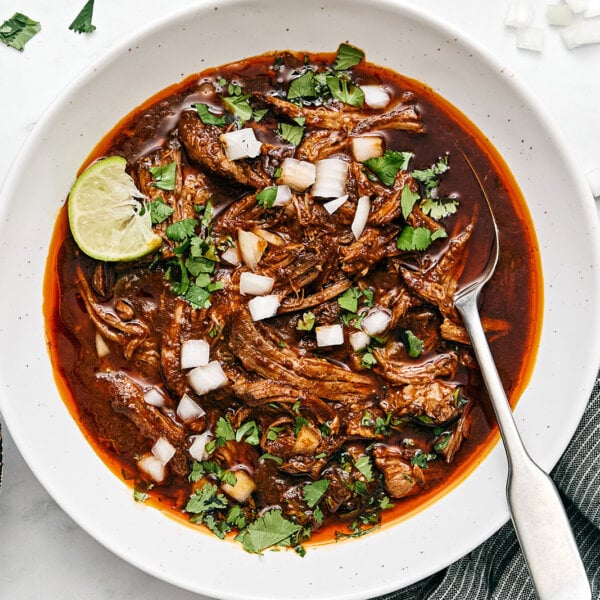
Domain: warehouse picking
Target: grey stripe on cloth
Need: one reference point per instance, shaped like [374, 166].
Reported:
[496, 570]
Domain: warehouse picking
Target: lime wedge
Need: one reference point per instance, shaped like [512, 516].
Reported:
[107, 219]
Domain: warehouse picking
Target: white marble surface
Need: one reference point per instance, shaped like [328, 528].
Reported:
[43, 553]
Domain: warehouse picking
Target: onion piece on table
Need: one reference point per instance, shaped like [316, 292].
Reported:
[207, 378]
[251, 248]
[519, 14]
[163, 450]
[593, 179]
[194, 353]
[329, 335]
[359, 340]
[592, 10]
[376, 322]
[333, 205]
[366, 147]
[263, 307]
[577, 6]
[188, 409]
[197, 448]
[582, 33]
[241, 143]
[152, 467]
[330, 178]
[559, 14]
[376, 96]
[255, 285]
[297, 174]
[530, 38]
[361, 216]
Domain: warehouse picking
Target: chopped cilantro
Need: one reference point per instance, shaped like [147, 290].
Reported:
[250, 432]
[267, 456]
[159, 211]
[439, 208]
[290, 133]
[420, 459]
[271, 529]
[347, 56]
[181, 230]
[197, 296]
[442, 443]
[303, 87]
[224, 430]
[363, 464]
[18, 30]
[408, 199]
[344, 91]
[228, 477]
[259, 114]
[386, 167]
[207, 117]
[238, 106]
[206, 499]
[197, 472]
[266, 197]
[313, 492]
[419, 238]
[306, 322]
[414, 344]
[83, 21]
[236, 517]
[368, 359]
[164, 176]
[299, 423]
[349, 299]
[429, 178]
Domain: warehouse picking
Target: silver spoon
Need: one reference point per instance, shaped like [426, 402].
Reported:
[537, 513]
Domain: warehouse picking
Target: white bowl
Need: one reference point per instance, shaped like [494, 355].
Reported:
[394, 35]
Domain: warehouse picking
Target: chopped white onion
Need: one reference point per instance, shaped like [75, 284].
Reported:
[102, 348]
[163, 450]
[268, 236]
[519, 14]
[194, 353]
[207, 378]
[592, 10]
[154, 397]
[582, 33]
[330, 179]
[376, 322]
[241, 143]
[359, 340]
[593, 179]
[151, 466]
[263, 307]
[530, 38]
[577, 6]
[255, 285]
[231, 256]
[197, 448]
[361, 216]
[366, 147]
[188, 409]
[376, 96]
[559, 14]
[329, 335]
[297, 174]
[333, 205]
[251, 248]
[283, 196]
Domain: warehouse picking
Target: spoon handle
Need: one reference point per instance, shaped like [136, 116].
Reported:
[537, 512]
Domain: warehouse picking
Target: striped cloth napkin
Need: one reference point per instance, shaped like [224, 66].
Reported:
[496, 570]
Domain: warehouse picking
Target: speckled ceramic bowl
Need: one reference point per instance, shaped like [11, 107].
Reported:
[213, 33]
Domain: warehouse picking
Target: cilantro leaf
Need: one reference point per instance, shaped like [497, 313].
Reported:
[408, 198]
[313, 492]
[347, 56]
[290, 133]
[364, 466]
[368, 359]
[18, 30]
[429, 178]
[239, 106]
[271, 529]
[418, 238]
[344, 91]
[306, 322]
[386, 167]
[181, 230]
[224, 430]
[248, 430]
[349, 299]
[164, 176]
[267, 196]
[83, 21]
[267, 456]
[197, 296]
[439, 208]
[206, 499]
[420, 459]
[207, 117]
[159, 211]
[259, 114]
[414, 344]
[303, 87]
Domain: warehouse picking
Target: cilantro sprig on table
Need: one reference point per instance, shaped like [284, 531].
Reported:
[83, 21]
[18, 30]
